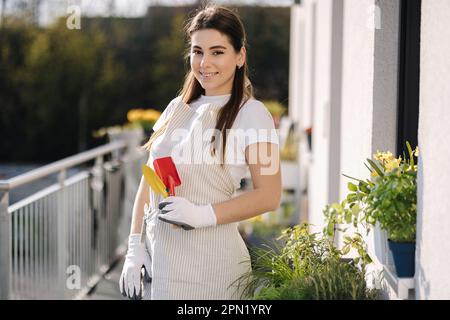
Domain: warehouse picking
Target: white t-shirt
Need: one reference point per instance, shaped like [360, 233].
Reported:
[254, 122]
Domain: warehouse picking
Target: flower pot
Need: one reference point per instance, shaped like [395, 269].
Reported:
[404, 258]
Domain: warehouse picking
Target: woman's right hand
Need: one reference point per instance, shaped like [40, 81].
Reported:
[130, 282]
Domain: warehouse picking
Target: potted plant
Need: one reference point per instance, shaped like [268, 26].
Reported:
[307, 266]
[144, 118]
[139, 125]
[276, 109]
[388, 199]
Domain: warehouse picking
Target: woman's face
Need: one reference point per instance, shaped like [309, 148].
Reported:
[214, 61]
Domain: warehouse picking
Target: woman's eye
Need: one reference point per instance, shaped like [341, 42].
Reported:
[215, 53]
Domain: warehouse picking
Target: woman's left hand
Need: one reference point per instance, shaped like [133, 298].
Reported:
[182, 212]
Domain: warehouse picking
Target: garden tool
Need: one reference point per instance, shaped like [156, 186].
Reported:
[154, 181]
[157, 186]
[166, 170]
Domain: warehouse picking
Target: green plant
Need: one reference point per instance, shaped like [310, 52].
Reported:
[262, 230]
[306, 266]
[389, 199]
[334, 281]
[275, 108]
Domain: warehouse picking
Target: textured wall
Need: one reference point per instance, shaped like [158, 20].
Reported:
[369, 116]
[318, 177]
[369, 94]
[385, 94]
[357, 89]
[433, 239]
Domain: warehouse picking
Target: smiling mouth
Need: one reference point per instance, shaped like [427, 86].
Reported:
[208, 75]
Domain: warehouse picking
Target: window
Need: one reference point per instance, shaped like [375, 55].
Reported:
[409, 74]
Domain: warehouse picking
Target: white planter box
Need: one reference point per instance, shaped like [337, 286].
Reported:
[290, 175]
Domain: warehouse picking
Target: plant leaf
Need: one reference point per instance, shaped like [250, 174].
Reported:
[410, 152]
[376, 168]
[351, 177]
[352, 187]
[345, 250]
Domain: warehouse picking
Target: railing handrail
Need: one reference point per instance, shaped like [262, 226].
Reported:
[8, 184]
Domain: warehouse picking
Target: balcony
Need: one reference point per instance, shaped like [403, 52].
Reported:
[64, 238]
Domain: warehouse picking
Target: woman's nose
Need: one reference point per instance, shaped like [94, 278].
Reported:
[204, 61]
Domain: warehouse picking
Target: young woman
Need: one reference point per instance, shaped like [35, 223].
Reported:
[214, 131]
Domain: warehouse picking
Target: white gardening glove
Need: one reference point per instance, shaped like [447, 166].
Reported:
[182, 212]
[130, 282]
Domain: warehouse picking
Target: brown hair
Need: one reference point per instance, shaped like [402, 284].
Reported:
[228, 23]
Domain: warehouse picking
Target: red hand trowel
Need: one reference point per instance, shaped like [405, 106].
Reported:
[166, 170]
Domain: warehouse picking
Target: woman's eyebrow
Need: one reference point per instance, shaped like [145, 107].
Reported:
[211, 48]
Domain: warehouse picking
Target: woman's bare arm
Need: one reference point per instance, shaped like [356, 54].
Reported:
[264, 165]
[142, 197]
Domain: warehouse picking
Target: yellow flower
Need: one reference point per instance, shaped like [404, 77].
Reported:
[416, 151]
[151, 115]
[134, 115]
[377, 156]
[392, 164]
[383, 156]
[388, 156]
[387, 160]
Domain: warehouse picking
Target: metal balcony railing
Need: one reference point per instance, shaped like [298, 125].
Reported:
[56, 243]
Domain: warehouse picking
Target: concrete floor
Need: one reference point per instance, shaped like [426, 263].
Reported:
[108, 287]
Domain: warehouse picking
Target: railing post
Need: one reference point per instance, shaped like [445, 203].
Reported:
[5, 247]
[62, 245]
[113, 201]
[97, 185]
[132, 160]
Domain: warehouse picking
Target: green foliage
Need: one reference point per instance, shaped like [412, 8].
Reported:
[390, 199]
[60, 76]
[171, 65]
[57, 85]
[334, 281]
[306, 266]
[268, 42]
[275, 108]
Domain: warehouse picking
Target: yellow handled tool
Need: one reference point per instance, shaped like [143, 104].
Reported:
[154, 181]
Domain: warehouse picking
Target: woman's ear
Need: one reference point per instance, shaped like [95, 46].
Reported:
[241, 57]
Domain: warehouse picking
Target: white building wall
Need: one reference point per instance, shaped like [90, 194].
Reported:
[307, 89]
[357, 89]
[369, 97]
[367, 108]
[296, 62]
[309, 9]
[318, 176]
[357, 92]
[385, 96]
[319, 60]
[433, 227]
[297, 91]
[338, 90]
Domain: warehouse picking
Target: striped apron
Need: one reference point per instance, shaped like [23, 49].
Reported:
[203, 263]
